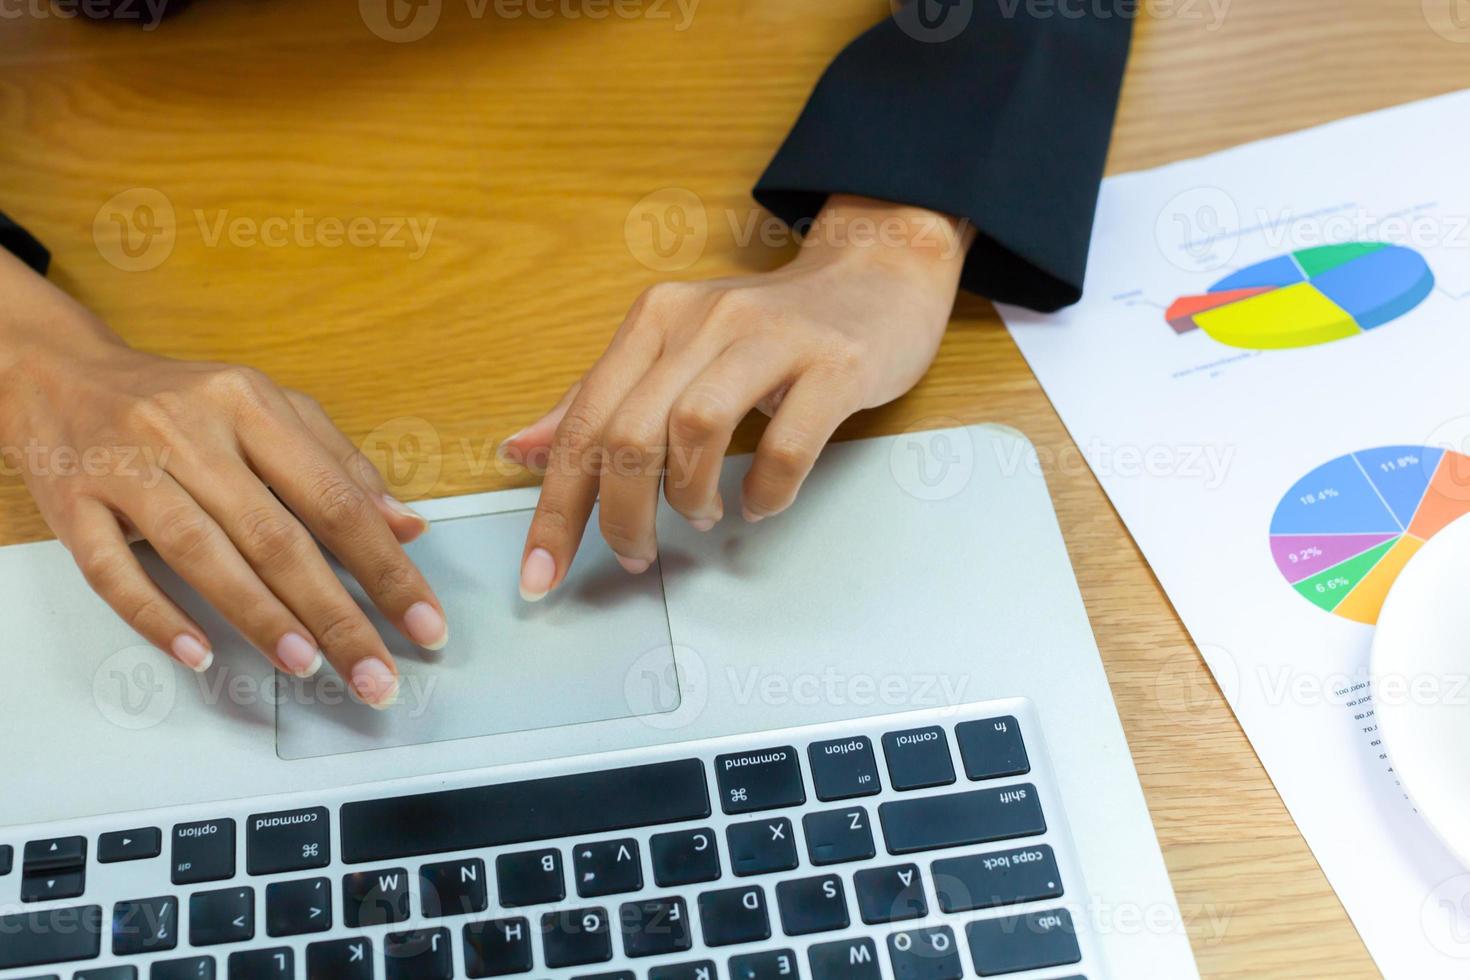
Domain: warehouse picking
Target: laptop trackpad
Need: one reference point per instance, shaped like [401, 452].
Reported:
[510, 666]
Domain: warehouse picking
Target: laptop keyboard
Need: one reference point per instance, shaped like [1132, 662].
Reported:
[909, 847]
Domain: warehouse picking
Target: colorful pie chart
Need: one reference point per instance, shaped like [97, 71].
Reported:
[1343, 532]
[1312, 296]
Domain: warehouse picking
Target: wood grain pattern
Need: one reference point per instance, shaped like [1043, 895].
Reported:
[527, 141]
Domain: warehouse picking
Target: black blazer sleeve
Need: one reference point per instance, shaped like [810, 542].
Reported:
[16, 239]
[1005, 123]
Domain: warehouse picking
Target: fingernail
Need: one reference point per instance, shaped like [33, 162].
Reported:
[191, 653]
[403, 510]
[374, 683]
[750, 515]
[537, 573]
[703, 524]
[425, 625]
[634, 566]
[299, 654]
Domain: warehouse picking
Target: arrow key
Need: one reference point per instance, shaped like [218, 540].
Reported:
[45, 886]
[55, 854]
[224, 916]
[294, 908]
[130, 845]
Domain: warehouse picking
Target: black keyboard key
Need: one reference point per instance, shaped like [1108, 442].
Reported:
[812, 905]
[453, 888]
[734, 915]
[516, 813]
[130, 845]
[576, 937]
[107, 973]
[374, 898]
[685, 857]
[778, 964]
[187, 968]
[607, 867]
[925, 954]
[529, 878]
[145, 925]
[654, 927]
[55, 854]
[843, 768]
[296, 908]
[992, 748]
[203, 851]
[615, 975]
[838, 836]
[223, 916]
[419, 954]
[340, 959]
[700, 970]
[847, 959]
[890, 894]
[918, 758]
[766, 779]
[44, 886]
[983, 881]
[1023, 942]
[957, 819]
[52, 936]
[497, 947]
[287, 840]
[761, 847]
[7, 858]
[276, 963]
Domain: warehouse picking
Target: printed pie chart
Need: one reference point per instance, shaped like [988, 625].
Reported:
[1312, 296]
[1343, 532]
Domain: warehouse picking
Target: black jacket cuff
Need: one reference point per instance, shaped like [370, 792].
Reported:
[1006, 124]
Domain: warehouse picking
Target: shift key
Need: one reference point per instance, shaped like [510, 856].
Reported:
[957, 819]
[766, 779]
[203, 851]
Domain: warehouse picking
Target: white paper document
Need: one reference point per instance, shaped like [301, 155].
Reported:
[1270, 376]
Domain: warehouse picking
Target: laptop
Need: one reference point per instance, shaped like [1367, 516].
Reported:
[869, 739]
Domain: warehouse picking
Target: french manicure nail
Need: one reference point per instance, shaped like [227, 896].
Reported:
[374, 683]
[191, 653]
[299, 654]
[403, 510]
[537, 573]
[634, 566]
[425, 625]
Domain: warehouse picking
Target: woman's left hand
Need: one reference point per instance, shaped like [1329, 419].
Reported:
[851, 323]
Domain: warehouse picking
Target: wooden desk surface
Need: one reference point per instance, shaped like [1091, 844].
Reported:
[528, 141]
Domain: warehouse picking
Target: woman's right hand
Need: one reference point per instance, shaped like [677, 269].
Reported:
[225, 474]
